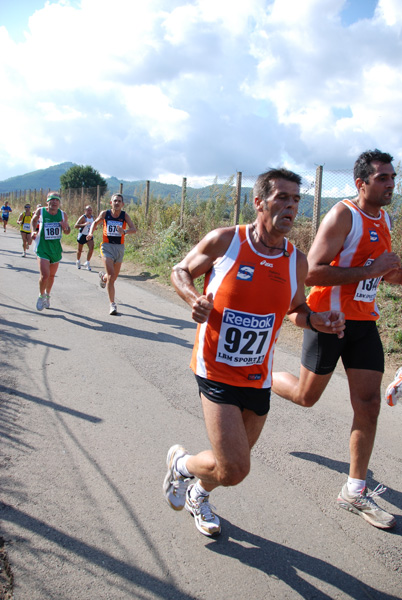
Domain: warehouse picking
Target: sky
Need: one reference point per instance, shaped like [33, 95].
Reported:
[165, 89]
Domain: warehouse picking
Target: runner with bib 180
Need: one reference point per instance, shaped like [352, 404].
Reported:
[52, 223]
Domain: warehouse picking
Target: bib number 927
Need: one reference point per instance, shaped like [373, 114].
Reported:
[244, 338]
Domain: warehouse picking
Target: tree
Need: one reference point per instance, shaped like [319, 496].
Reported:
[80, 176]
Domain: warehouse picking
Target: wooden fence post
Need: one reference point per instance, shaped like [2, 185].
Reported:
[317, 202]
[147, 183]
[183, 200]
[238, 196]
[98, 199]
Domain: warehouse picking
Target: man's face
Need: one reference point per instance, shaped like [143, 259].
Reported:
[88, 211]
[281, 206]
[380, 187]
[53, 204]
[117, 202]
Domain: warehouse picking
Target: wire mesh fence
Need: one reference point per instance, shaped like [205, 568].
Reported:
[220, 201]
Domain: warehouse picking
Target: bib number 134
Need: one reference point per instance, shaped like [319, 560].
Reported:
[244, 338]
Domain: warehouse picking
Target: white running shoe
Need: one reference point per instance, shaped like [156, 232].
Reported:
[102, 282]
[40, 303]
[78, 263]
[363, 505]
[23, 254]
[174, 484]
[113, 309]
[205, 519]
[47, 301]
[394, 390]
[87, 266]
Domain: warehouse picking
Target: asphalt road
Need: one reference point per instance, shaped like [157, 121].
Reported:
[90, 405]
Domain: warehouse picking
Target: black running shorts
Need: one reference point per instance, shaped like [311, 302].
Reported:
[360, 348]
[82, 239]
[255, 399]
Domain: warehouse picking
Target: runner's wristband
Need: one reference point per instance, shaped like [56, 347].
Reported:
[309, 324]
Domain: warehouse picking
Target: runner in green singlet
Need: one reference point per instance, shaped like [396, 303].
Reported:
[52, 223]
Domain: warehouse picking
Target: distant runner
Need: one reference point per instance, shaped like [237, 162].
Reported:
[84, 225]
[24, 221]
[115, 221]
[52, 223]
[5, 213]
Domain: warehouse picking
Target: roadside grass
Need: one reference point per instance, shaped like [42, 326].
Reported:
[389, 300]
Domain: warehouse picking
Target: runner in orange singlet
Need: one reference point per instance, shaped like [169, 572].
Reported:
[350, 255]
[253, 277]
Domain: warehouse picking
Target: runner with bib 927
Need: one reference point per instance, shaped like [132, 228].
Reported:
[254, 277]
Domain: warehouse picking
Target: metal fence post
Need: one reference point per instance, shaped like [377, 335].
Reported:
[183, 199]
[121, 189]
[238, 196]
[317, 202]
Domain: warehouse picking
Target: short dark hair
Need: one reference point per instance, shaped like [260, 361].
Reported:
[117, 195]
[363, 167]
[263, 185]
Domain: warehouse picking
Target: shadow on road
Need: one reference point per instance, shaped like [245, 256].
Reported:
[7, 266]
[289, 565]
[47, 403]
[393, 496]
[146, 315]
[143, 276]
[106, 326]
[161, 587]
[114, 327]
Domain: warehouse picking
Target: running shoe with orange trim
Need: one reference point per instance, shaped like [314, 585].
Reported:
[394, 390]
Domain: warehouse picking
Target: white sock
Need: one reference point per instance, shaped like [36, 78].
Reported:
[197, 490]
[181, 466]
[355, 486]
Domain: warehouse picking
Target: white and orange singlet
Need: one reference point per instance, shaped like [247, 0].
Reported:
[252, 293]
[368, 238]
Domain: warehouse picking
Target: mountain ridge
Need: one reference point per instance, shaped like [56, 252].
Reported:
[49, 179]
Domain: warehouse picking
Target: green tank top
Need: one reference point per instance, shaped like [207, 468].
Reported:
[50, 231]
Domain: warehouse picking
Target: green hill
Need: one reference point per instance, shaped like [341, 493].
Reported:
[44, 179]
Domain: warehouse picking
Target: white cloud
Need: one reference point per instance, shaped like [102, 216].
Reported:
[172, 88]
